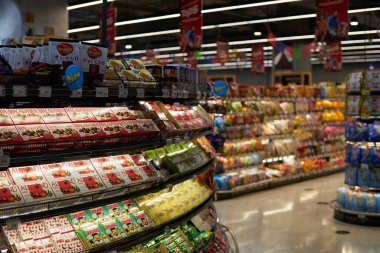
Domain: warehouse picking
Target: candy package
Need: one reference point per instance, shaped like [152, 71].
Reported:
[64, 52]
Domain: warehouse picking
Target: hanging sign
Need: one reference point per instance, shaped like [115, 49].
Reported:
[258, 59]
[190, 25]
[220, 88]
[222, 52]
[334, 56]
[74, 77]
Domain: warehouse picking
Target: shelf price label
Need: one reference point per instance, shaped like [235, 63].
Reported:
[13, 223]
[4, 160]
[123, 92]
[45, 92]
[179, 94]
[101, 92]
[76, 93]
[140, 93]
[199, 94]
[185, 94]
[19, 91]
[174, 93]
[165, 93]
[2, 90]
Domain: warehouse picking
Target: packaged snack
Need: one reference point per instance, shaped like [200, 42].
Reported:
[123, 162]
[113, 229]
[32, 133]
[5, 119]
[375, 152]
[103, 164]
[27, 55]
[370, 106]
[148, 125]
[25, 116]
[114, 128]
[131, 78]
[54, 115]
[117, 65]
[353, 105]
[132, 126]
[147, 78]
[57, 171]
[80, 114]
[9, 134]
[57, 224]
[112, 179]
[139, 160]
[374, 132]
[89, 130]
[123, 113]
[143, 220]
[365, 155]
[354, 83]
[93, 236]
[363, 176]
[10, 195]
[33, 192]
[65, 131]
[129, 224]
[373, 80]
[148, 172]
[104, 114]
[128, 206]
[91, 183]
[355, 154]
[82, 168]
[27, 175]
[67, 242]
[134, 64]
[370, 202]
[132, 175]
[77, 219]
[374, 180]
[351, 175]
[93, 59]
[98, 214]
[45, 245]
[33, 230]
[64, 52]
[12, 236]
[65, 187]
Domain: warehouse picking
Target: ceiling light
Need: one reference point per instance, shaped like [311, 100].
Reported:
[257, 33]
[83, 29]
[77, 6]
[128, 46]
[354, 21]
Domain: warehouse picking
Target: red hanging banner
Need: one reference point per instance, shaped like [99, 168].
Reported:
[334, 56]
[190, 25]
[111, 30]
[222, 52]
[258, 66]
[332, 20]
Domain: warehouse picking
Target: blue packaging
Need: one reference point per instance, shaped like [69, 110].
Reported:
[360, 131]
[371, 205]
[374, 179]
[365, 155]
[374, 132]
[348, 153]
[363, 176]
[351, 175]
[341, 197]
[355, 154]
[222, 182]
[375, 156]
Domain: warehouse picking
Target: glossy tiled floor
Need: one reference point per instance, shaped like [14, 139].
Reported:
[289, 220]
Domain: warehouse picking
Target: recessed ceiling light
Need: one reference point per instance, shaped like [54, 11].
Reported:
[354, 21]
[257, 33]
[128, 46]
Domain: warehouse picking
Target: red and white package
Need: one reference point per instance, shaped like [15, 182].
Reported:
[10, 196]
[148, 172]
[113, 179]
[113, 128]
[123, 113]
[82, 168]
[57, 171]
[139, 160]
[104, 164]
[58, 224]
[123, 162]
[89, 130]
[67, 242]
[64, 52]
[9, 134]
[5, 119]
[54, 115]
[25, 116]
[33, 230]
[63, 188]
[65, 131]
[45, 245]
[148, 125]
[32, 133]
[36, 192]
[132, 126]
[132, 175]
[104, 114]
[80, 114]
[27, 174]
[13, 236]
[90, 183]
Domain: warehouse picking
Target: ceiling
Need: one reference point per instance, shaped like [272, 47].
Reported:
[132, 10]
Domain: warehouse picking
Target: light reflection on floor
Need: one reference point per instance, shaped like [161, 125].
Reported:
[289, 220]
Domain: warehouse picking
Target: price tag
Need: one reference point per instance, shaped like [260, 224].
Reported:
[2, 90]
[179, 94]
[4, 160]
[101, 92]
[199, 94]
[13, 223]
[169, 142]
[76, 94]
[45, 92]
[123, 92]
[140, 93]
[177, 140]
[165, 93]
[174, 93]
[19, 91]
[185, 94]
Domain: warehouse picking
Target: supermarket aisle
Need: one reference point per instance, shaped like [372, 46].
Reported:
[289, 220]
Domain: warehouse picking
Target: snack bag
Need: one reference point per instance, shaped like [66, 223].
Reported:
[374, 132]
[363, 176]
[355, 154]
[365, 155]
[9, 134]
[93, 236]
[375, 152]
[351, 175]
[64, 52]
[93, 59]
[77, 219]
[370, 202]
[374, 180]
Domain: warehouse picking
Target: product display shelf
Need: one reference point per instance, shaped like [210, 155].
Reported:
[32, 211]
[125, 244]
[358, 202]
[300, 116]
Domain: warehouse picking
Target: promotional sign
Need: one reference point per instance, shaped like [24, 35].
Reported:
[74, 77]
[334, 56]
[111, 30]
[220, 88]
[222, 52]
[258, 66]
[190, 25]
[332, 20]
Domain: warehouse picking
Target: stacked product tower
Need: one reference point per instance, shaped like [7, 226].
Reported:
[273, 135]
[359, 201]
[120, 163]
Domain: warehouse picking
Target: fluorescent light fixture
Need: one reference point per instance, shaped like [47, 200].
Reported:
[125, 37]
[77, 6]
[257, 33]
[359, 41]
[360, 47]
[364, 32]
[252, 5]
[83, 29]
[364, 10]
[92, 41]
[354, 23]
[142, 20]
[128, 46]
